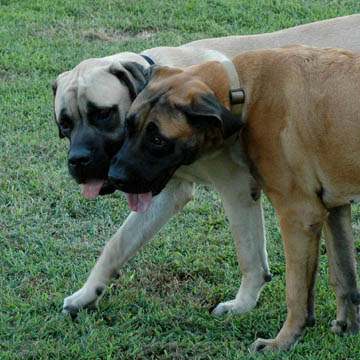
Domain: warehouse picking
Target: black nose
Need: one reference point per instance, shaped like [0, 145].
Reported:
[117, 177]
[79, 157]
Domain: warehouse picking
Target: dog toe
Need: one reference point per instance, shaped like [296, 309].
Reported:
[235, 306]
[338, 327]
[72, 310]
[261, 345]
[223, 308]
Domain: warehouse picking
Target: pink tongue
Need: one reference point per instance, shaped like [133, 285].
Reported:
[91, 189]
[139, 202]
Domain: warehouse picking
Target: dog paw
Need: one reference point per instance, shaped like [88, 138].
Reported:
[272, 345]
[350, 326]
[338, 327]
[233, 306]
[349, 323]
[85, 298]
[261, 345]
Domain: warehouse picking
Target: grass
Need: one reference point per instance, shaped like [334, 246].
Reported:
[50, 236]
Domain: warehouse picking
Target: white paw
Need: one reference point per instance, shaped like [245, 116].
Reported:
[261, 345]
[87, 297]
[234, 306]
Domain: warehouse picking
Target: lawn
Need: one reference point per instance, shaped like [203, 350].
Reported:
[50, 236]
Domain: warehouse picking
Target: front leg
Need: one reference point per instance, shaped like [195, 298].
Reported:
[245, 215]
[301, 231]
[132, 235]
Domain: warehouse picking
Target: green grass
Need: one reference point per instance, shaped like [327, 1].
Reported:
[50, 236]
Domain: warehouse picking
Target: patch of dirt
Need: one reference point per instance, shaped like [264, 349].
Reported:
[165, 282]
[102, 35]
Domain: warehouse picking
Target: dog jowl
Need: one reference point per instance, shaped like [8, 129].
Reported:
[91, 117]
[165, 131]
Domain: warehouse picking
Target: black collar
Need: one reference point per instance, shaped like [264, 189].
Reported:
[149, 60]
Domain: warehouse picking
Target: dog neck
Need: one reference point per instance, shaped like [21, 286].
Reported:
[236, 93]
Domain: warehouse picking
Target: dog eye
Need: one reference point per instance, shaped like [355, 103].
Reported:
[102, 118]
[157, 140]
[105, 113]
[152, 127]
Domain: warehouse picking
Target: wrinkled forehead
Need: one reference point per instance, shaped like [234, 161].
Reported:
[170, 120]
[103, 88]
[97, 86]
[162, 100]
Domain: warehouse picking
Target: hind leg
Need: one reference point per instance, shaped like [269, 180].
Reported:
[343, 275]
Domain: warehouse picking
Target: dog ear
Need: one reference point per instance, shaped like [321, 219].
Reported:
[153, 70]
[150, 71]
[132, 74]
[205, 111]
[54, 87]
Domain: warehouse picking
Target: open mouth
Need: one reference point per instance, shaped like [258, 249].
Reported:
[94, 187]
[139, 198]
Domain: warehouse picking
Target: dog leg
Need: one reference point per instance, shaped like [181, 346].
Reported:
[343, 275]
[132, 235]
[247, 223]
[301, 231]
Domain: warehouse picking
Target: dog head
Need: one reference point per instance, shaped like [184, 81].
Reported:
[90, 103]
[174, 121]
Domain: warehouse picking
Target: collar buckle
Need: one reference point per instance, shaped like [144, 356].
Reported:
[237, 96]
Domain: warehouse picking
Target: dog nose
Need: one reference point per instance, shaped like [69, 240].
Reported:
[116, 178]
[79, 158]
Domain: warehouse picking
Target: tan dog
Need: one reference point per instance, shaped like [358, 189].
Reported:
[90, 106]
[300, 122]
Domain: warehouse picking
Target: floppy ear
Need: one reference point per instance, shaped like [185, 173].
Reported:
[151, 70]
[205, 112]
[54, 87]
[132, 74]
[55, 84]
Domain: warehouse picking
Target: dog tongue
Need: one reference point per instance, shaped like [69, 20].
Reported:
[92, 187]
[139, 202]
